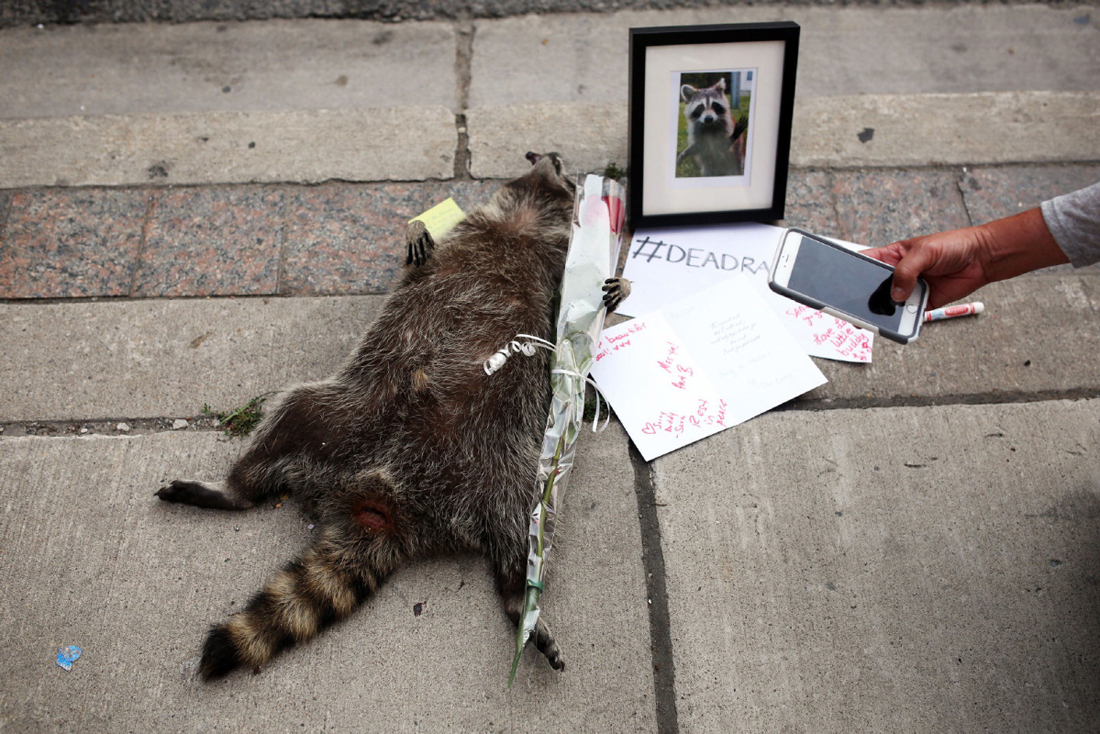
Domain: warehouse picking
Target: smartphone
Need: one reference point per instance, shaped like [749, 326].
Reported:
[820, 273]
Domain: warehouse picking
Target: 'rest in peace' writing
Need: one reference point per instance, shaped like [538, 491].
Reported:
[705, 416]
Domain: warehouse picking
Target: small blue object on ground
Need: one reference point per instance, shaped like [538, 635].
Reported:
[66, 656]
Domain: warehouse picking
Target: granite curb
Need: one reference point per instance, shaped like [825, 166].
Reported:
[343, 238]
[26, 12]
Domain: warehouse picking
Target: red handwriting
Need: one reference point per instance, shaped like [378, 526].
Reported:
[616, 342]
[706, 416]
[847, 340]
[679, 372]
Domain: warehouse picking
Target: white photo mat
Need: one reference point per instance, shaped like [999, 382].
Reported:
[659, 196]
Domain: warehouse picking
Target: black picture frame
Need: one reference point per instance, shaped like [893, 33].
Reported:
[680, 174]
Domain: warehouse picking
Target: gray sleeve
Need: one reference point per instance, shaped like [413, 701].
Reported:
[1074, 220]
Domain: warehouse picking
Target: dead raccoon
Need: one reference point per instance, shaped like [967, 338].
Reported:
[712, 134]
[410, 449]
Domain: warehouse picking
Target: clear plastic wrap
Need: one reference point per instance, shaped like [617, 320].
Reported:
[594, 245]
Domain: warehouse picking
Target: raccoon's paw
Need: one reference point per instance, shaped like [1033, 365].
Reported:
[219, 655]
[419, 242]
[201, 494]
[555, 659]
[548, 646]
[615, 291]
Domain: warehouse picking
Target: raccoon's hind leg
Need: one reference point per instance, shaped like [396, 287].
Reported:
[615, 291]
[419, 242]
[324, 585]
[294, 425]
[512, 584]
[212, 495]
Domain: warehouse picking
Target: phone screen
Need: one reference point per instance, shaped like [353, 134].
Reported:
[846, 283]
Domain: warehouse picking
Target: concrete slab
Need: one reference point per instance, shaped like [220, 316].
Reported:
[305, 146]
[946, 49]
[935, 129]
[832, 132]
[1028, 344]
[168, 357]
[960, 52]
[589, 136]
[92, 559]
[275, 65]
[903, 570]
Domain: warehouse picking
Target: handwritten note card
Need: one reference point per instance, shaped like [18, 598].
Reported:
[664, 265]
[700, 365]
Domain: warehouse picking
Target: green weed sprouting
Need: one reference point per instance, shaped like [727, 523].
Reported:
[240, 421]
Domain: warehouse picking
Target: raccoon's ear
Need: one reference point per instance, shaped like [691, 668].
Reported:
[721, 85]
[687, 92]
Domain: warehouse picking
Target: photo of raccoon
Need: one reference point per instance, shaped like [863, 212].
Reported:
[410, 450]
[713, 130]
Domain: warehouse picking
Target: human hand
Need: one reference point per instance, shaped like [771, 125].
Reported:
[952, 263]
[958, 262]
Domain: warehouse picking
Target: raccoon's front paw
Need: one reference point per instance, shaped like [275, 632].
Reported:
[615, 291]
[419, 242]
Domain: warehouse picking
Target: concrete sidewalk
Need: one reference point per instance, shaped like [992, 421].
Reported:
[912, 547]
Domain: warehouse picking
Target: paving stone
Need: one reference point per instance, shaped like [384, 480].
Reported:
[70, 244]
[879, 207]
[966, 129]
[91, 558]
[167, 357]
[253, 146]
[589, 136]
[842, 50]
[993, 193]
[1018, 347]
[212, 241]
[347, 239]
[901, 570]
[810, 204]
[5, 201]
[137, 68]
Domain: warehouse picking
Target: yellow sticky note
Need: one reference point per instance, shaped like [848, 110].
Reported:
[441, 218]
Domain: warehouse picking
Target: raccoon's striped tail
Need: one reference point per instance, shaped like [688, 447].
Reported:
[311, 593]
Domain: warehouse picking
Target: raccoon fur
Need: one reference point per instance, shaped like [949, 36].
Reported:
[712, 134]
[410, 449]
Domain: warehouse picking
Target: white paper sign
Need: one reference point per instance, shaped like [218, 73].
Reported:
[702, 364]
[665, 265]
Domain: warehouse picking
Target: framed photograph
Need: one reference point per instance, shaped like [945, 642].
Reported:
[710, 122]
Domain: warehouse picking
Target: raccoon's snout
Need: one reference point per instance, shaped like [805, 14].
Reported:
[533, 157]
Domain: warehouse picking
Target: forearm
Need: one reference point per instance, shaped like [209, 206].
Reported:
[1017, 245]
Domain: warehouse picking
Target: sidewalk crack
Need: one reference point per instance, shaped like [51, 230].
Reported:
[653, 564]
[464, 51]
[150, 206]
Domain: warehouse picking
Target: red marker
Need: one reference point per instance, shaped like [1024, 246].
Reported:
[951, 312]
